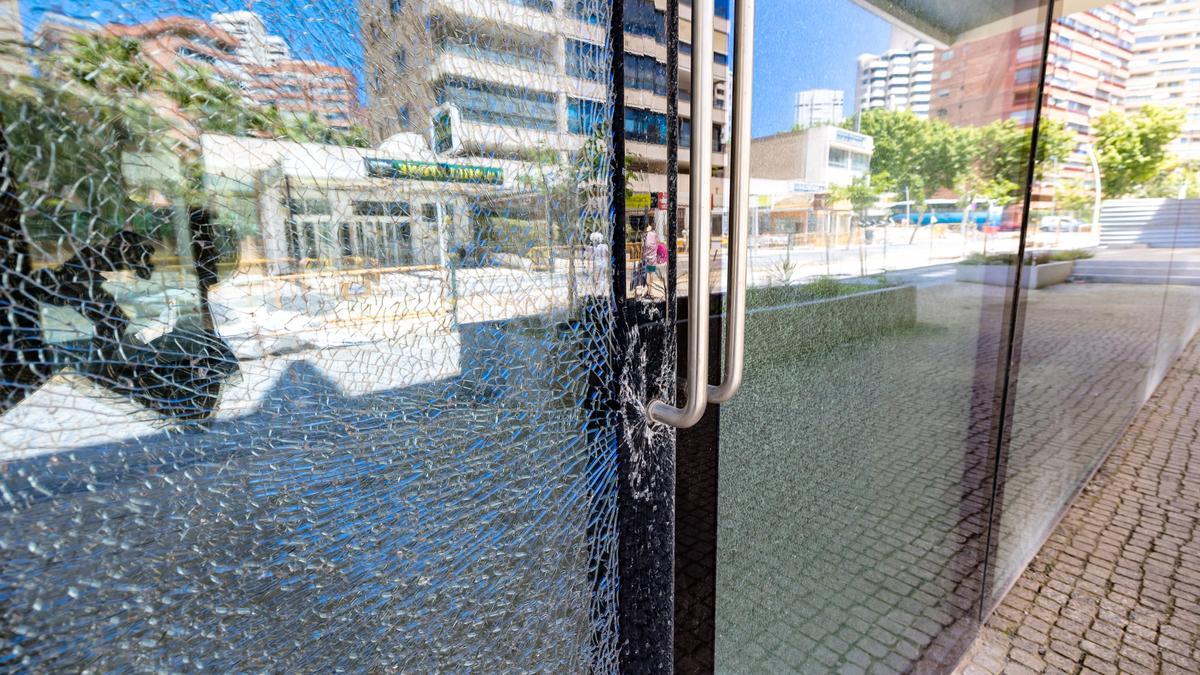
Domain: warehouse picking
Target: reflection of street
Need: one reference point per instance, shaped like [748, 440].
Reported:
[401, 330]
[773, 262]
[406, 322]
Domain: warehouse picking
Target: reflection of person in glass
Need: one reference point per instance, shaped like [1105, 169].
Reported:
[649, 263]
[178, 374]
[600, 258]
[78, 283]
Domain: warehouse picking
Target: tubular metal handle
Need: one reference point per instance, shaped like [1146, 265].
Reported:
[739, 202]
[700, 179]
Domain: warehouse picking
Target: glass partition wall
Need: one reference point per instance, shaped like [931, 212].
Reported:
[1120, 226]
[960, 293]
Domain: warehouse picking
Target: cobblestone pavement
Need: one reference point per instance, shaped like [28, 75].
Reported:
[1116, 588]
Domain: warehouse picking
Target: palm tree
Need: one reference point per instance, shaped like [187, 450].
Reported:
[107, 63]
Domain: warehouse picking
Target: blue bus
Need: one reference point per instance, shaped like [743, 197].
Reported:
[943, 211]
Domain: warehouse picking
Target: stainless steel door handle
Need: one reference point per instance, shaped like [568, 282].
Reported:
[739, 202]
[700, 180]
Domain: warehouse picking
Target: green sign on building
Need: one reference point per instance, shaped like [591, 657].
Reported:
[400, 169]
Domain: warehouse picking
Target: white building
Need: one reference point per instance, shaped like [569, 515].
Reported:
[255, 45]
[898, 79]
[393, 205]
[819, 107]
[819, 157]
[1163, 68]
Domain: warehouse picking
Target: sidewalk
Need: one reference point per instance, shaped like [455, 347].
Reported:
[1116, 588]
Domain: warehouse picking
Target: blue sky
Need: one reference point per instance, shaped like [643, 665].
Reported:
[807, 44]
[800, 44]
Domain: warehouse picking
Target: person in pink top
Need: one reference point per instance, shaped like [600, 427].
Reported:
[649, 262]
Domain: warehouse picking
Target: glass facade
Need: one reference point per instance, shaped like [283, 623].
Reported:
[494, 103]
[944, 337]
[296, 376]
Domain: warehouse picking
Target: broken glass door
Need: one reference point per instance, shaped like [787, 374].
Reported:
[306, 337]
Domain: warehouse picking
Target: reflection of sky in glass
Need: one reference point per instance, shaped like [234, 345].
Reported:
[792, 54]
[316, 30]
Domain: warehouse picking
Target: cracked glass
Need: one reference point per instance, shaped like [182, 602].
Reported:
[304, 333]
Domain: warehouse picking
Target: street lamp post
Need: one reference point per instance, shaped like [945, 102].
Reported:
[1091, 153]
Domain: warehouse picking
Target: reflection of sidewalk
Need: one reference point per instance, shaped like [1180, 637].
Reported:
[1116, 588]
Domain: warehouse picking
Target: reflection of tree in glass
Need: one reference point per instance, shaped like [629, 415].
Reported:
[1132, 147]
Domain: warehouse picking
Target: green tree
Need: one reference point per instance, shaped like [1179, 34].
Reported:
[909, 148]
[1132, 148]
[216, 106]
[861, 194]
[1174, 179]
[571, 193]
[1003, 148]
[917, 156]
[106, 63]
[1073, 197]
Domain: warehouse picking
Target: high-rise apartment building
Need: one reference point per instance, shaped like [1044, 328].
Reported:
[1165, 64]
[996, 78]
[254, 43]
[819, 107]
[12, 37]
[237, 49]
[509, 78]
[898, 79]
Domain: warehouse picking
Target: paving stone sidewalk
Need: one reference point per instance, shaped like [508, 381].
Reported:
[1116, 588]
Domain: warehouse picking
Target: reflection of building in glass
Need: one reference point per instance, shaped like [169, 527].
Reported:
[898, 79]
[254, 44]
[12, 49]
[509, 77]
[236, 47]
[1163, 72]
[818, 107]
[397, 204]
[996, 78]
[821, 156]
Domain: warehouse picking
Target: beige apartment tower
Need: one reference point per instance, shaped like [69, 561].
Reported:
[510, 78]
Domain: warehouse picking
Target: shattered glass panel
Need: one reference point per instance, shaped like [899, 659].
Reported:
[305, 334]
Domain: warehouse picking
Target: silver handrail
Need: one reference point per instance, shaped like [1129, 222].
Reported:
[700, 178]
[739, 203]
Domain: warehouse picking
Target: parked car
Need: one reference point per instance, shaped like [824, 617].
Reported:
[1061, 224]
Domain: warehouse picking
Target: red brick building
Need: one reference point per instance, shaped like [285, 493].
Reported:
[173, 42]
[995, 78]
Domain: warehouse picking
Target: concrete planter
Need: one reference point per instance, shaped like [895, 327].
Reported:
[781, 333]
[1032, 276]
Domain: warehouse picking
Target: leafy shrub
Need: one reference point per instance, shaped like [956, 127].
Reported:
[819, 289]
[1040, 258]
[992, 259]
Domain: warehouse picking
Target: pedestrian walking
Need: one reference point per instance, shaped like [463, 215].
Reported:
[600, 258]
[649, 261]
